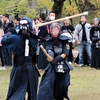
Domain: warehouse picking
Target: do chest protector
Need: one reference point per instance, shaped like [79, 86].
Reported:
[60, 65]
[57, 50]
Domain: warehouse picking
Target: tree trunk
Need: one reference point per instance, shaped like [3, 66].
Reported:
[32, 4]
[83, 6]
[57, 7]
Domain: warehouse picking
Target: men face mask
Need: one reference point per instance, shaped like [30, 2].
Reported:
[55, 30]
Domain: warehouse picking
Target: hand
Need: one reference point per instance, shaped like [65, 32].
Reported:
[57, 59]
[73, 42]
[78, 42]
[50, 59]
[90, 42]
[38, 40]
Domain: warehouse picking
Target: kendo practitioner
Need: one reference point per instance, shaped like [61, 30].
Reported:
[95, 37]
[56, 78]
[24, 75]
[69, 29]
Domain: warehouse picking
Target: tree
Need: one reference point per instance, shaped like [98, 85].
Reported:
[57, 7]
[31, 8]
[96, 4]
[32, 4]
[44, 6]
[83, 5]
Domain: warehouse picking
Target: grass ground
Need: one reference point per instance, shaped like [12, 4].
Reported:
[85, 84]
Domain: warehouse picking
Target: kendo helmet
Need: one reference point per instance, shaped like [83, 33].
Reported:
[25, 27]
[55, 29]
[26, 24]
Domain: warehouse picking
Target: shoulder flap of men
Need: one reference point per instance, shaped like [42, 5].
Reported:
[64, 37]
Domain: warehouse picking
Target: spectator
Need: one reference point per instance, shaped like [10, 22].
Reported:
[51, 16]
[95, 37]
[42, 18]
[82, 37]
[7, 23]
[69, 29]
[6, 51]
[44, 32]
[40, 32]
[1, 52]
[16, 23]
[36, 21]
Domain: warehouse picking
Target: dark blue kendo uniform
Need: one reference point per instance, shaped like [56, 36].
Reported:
[56, 79]
[24, 76]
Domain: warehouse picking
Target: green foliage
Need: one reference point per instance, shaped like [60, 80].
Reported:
[22, 8]
[44, 4]
[3, 5]
[31, 13]
[98, 13]
[8, 6]
[96, 3]
[1, 11]
[69, 9]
